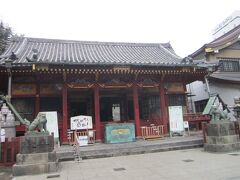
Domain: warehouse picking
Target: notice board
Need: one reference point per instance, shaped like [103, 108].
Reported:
[176, 119]
[52, 123]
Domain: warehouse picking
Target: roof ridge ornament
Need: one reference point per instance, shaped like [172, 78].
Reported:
[34, 56]
[13, 56]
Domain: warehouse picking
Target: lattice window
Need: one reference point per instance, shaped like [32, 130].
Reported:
[149, 106]
[229, 65]
[177, 100]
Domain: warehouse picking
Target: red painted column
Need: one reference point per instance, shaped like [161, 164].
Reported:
[97, 113]
[37, 101]
[136, 110]
[163, 107]
[65, 114]
[37, 105]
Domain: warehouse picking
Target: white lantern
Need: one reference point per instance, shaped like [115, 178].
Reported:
[4, 109]
[10, 117]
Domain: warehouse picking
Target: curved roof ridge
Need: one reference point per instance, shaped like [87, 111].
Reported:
[97, 42]
[175, 55]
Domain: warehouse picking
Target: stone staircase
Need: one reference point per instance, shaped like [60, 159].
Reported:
[100, 150]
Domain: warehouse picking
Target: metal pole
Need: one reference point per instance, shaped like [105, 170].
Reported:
[191, 100]
[207, 84]
[0, 139]
[9, 84]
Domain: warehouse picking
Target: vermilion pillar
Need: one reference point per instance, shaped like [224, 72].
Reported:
[163, 107]
[97, 113]
[136, 110]
[37, 104]
[65, 114]
[37, 101]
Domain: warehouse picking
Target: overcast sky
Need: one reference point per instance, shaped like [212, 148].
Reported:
[186, 24]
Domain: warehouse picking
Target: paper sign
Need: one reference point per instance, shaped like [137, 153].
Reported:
[81, 122]
[83, 140]
[185, 124]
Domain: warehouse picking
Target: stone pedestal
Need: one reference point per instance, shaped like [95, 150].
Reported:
[10, 130]
[36, 155]
[221, 137]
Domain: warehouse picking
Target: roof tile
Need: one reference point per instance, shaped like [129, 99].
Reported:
[84, 52]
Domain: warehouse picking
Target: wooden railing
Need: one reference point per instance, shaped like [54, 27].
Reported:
[205, 131]
[237, 130]
[194, 117]
[72, 135]
[152, 132]
[9, 150]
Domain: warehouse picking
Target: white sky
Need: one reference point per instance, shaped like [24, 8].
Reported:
[187, 24]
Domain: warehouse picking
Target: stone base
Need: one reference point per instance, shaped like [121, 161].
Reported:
[222, 147]
[40, 168]
[37, 163]
[221, 128]
[231, 139]
[222, 137]
[34, 142]
[36, 158]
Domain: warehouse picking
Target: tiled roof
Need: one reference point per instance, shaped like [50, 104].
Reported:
[227, 76]
[81, 52]
[223, 41]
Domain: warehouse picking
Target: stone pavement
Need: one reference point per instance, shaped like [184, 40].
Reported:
[5, 173]
[190, 164]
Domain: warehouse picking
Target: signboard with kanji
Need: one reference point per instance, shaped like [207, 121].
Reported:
[81, 122]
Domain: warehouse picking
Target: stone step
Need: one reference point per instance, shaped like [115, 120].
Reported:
[135, 151]
[128, 149]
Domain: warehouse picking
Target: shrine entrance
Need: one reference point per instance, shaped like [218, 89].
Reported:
[80, 102]
[116, 105]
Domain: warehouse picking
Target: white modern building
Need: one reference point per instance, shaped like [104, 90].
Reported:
[226, 25]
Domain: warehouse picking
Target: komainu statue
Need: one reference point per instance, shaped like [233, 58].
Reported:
[39, 123]
[218, 114]
[217, 109]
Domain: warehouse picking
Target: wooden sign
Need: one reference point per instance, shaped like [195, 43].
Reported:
[121, 69]
[50, 89]
[24, 89]
[175, 87]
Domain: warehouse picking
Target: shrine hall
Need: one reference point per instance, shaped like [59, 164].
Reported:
[109, 81]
